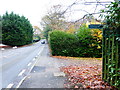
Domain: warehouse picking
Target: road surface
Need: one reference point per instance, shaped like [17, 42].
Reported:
[13, 60]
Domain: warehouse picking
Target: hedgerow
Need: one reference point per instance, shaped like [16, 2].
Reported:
[81, 44]
[62, 43]
[89, 43]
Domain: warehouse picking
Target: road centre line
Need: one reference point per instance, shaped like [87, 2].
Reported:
[10, 85]
[39, 53]
[29, 71]
[29, 64]
[21, 72]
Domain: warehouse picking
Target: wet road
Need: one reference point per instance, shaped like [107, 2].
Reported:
[13, 61]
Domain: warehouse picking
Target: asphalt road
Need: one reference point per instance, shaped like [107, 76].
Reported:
[12, 61]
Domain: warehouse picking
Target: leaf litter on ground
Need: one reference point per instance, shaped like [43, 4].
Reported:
[85, 75]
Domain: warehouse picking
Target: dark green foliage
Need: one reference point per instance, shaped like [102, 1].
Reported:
[88, 45]
[63, 44]
[111, 45]
[16, 30]
[85, 40]
[79, 45]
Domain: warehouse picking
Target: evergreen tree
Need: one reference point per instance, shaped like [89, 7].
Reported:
[16, 30]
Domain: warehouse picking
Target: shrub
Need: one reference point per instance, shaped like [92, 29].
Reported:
[88, 43]
[62, 43]
[16, 30]
[81, 44]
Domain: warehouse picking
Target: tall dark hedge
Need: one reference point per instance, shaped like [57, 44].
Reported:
[16, 30]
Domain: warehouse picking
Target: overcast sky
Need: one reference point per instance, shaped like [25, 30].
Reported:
[34, 10]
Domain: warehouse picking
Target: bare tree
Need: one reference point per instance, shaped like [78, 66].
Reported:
[57, 16]
[88, 16]
[54, 18]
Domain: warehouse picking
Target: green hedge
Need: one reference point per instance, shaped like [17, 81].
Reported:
[63, 44]
[16, 30]
[88, 44]
[75, 45]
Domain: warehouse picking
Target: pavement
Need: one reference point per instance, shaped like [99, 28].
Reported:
[46, 73]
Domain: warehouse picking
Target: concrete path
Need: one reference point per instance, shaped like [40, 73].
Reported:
[45, 73]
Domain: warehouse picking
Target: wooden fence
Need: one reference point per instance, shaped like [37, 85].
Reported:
[111, 57]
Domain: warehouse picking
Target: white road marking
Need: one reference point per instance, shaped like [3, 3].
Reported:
[29, 71]
[20, 82]
[40, 52]
[29, 64]
[21, 72]
[2, 49]
[33, 59]
[10, 85]
[24, 71]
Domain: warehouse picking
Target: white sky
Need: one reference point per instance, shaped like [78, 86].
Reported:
[34, 10]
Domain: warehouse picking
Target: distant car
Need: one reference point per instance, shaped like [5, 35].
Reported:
[42, 42]
[36, 40]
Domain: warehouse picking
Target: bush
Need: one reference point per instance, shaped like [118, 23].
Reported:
[16, 30]
[81, 44]
[89, 45]
[62, 43]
